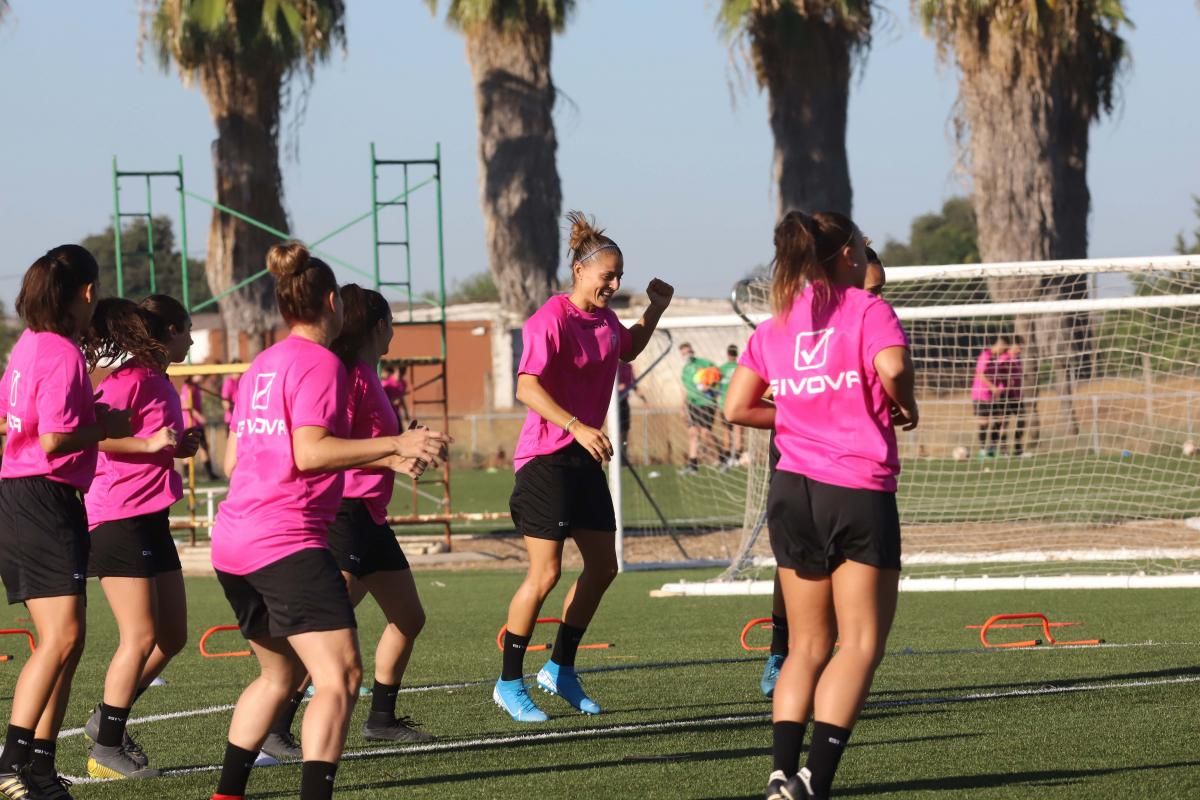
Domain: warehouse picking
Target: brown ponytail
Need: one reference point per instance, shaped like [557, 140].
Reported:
[806, 252]
[50, 286]
[363, 309]
[586, 240]
[302, 282]
[120, 327]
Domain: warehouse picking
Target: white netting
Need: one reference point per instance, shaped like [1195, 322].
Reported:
[1105, 474]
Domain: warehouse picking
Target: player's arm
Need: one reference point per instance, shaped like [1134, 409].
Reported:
[531, 392]
[744, 400]
[660, 294]
[315, 449]
[896, 372]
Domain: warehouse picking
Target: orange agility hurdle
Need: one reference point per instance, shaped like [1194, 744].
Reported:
[1042, 622]
[535, 647]
[17, 632]
[763, 623]
[204, 651]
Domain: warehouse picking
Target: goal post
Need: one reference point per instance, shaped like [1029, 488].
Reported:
[1103, 485]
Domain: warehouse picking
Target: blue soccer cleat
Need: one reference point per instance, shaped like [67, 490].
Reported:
[562, 681]
[770, 675]
[514, 698]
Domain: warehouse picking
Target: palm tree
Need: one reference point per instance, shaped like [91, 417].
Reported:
[802, 52]
[243, 54]
[508, 48]
[1033, 76]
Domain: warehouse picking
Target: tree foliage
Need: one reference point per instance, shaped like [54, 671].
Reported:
[168, 264]
[950, 236]
[504, 14]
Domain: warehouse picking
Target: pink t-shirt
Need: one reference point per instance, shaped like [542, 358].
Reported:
[48, 391]
[369, 415]
[229, 388]
[132, 484]
[985, 366]
[574, 353]
[273, 509]
[191, 403]
[832, 418]
[1009, 372]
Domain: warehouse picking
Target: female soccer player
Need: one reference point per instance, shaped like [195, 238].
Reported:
[191, 398]
[229, 387]
[988, 396]
[52, 428]
[270, 539]
[837, 359]
[874, 280]
[572, 345]
[132, 552]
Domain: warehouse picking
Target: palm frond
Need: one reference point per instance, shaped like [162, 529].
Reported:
[504, 14]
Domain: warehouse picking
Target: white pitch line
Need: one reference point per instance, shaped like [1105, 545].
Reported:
[646, 727]
[440, 687]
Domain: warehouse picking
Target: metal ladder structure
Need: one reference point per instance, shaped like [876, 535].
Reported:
[428, 389]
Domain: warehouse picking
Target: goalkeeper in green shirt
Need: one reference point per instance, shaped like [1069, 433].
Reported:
[701, 383]
[731, 435]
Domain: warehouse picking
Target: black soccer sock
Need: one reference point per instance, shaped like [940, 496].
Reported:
[994, 434]
[828, 744]
[694, 463]
[787, 739]
[983, 436]
[42, 757]
[514, 656]
[17, 744]
[779, 636]
[316, 780]
[1019, 435]
[112, 725]
[287, 714]
[383, 698]
[566, 644]
[235, 770]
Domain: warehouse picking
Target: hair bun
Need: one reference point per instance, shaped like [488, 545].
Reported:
[583, 230]
[288, 259]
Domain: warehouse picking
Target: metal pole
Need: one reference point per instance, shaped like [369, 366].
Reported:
[407, 245]
[614, 473]
[117, 229]
[185, 291]
[440, 248]
[150, 235]
[375, 213]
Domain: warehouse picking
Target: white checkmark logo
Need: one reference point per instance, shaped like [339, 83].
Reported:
[262, 390]
[815, 355]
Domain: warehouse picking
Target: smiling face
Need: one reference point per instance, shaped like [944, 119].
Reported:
[598, 278]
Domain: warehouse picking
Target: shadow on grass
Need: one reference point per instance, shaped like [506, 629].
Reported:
[992, 780]
[561, 768]
[1057, 683]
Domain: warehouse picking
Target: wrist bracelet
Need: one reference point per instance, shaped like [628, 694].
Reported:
[570, 422]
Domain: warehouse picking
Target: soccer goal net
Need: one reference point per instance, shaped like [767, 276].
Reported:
[1073, 463]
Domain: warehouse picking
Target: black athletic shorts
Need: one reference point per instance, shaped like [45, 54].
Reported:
[816, 526]
[300, 593]
[560, 492]
[138, 547]
[701, 416]
[1014, 405]
[988, 408]
[773, 454]
[43, 539]
[360, 545]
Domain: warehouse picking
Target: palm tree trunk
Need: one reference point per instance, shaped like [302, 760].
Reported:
[521, 193]
[808, 91]
[245, 107]
[1028, 160]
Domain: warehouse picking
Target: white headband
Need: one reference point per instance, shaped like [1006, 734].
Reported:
[591, 253]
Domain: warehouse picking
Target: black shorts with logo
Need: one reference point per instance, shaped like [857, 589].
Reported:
[43, 539]
[558, 493]
[137, 547]
[988, 408]
[701, 416]
[362, 546]
[816, 526]
[300, 593]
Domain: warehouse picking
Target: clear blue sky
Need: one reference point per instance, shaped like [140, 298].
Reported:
[655, 138]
